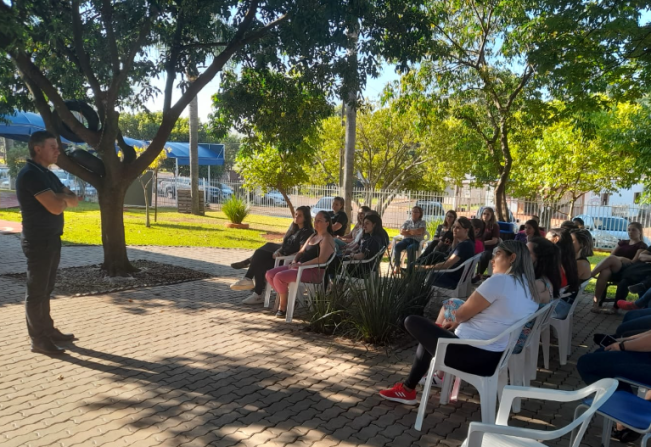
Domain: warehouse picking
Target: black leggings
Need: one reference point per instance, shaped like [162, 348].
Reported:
[462, 357]
[485, 259]
[261, 261]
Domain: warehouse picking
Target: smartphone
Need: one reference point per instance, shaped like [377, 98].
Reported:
[607, 341]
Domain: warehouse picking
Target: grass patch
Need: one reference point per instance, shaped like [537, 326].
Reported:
[172, 229]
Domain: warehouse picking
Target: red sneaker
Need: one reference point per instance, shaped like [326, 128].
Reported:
[627, 305]
[399, 394]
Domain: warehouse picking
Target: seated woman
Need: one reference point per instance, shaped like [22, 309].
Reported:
[316, 250]
[531, 230]
[612, 268]
[462, 249]
[501, 301]
[582, 247]
[546, 257]
[569, 272]
[352, 239]
[369, 246]
[478, 227]
[448, 221]
[491, 238]
[339, 217]
[263, 258]
[413, 233]
[628, 358]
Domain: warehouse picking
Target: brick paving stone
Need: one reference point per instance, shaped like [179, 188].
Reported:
[187, 364]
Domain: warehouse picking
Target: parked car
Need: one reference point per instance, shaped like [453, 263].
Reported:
[607, 231]
[75, 184]
[214, 194]
[270, 198]
[432, 210]
[323, 204]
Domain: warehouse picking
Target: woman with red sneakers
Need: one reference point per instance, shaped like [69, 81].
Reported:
[499, 302]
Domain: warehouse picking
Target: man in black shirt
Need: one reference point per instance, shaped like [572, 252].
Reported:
[42, 199]
[339, 217]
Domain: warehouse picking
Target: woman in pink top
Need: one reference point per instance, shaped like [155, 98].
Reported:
[478, 225]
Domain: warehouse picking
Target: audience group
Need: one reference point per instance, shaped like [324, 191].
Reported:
[528, 273]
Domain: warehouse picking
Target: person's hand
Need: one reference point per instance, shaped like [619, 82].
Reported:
[613, 347]
[275, 254]
[449, 325]
[294, 265]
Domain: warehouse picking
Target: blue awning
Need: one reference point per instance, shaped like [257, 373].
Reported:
[21, 125]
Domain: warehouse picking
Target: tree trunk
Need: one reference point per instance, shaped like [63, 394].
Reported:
[501, 209]
[194, 155]
[111, 202]
[352, 85]
[290, 205]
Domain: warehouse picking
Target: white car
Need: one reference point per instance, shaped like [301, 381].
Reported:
[607, 231]
[271, 198]
[324, 204]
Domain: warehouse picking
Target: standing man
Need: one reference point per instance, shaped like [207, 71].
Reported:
[42, 198]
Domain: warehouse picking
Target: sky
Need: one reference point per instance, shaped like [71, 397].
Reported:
[373, 90]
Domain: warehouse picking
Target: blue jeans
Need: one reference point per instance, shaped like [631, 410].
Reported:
[644, 300]
[610, 364]
[409, 244]
[635, 321]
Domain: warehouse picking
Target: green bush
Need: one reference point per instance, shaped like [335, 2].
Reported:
[432, 225]
[235, 209]
[372, 309]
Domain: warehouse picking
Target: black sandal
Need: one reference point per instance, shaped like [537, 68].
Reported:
[625, 435]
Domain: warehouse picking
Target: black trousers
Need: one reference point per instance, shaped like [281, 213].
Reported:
[43, 258]
[463, 357]
[261, 261]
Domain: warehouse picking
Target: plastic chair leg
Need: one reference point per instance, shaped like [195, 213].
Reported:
[291, 301]
[544, 339]
[267, 295]
[424, 398]
[446, 388]
[562, 345]
[605, 432]
[488, 401]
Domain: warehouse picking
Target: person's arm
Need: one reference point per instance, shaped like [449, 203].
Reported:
[645, 256]
[473, 305]
[339, 225]
[496, 236]
[642, 343]
[419, 231]
[449, 262]
[637, 255]
[56, 203]
[403, 230]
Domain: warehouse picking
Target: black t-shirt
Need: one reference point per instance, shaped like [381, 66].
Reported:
[342, 218]
[292, 242]
[38, 222]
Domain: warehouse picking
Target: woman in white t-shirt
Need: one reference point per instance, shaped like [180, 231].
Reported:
[498, 303]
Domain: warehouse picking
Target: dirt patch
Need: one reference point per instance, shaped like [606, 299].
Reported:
[91, 280]
[273, 237]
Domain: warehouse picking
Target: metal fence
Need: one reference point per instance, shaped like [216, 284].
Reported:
[608, 223]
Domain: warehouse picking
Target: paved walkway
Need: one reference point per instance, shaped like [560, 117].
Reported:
[188, 365]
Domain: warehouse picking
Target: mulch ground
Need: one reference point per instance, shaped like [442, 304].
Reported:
[92, 280]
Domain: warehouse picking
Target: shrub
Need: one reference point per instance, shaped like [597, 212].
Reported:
[432, 225]
[235, 209]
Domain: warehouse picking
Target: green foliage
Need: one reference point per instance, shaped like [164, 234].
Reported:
[17, 155]
[371, 309]
[235, 209]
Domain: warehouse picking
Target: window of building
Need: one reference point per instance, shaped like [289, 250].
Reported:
[605, 198]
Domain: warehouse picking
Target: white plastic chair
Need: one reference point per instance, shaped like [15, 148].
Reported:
[296, 287]
[502, 435]
[464, 285]
[518, 371]
[375, 269]
[267, 290]
[627, 409]
[563, 330]
[486, 386]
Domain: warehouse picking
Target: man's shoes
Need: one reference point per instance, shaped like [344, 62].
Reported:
[243, 284]
[627, 305]
[242, 264]
[638, 288]
[46, 346]
[57, 335]
[255, 298]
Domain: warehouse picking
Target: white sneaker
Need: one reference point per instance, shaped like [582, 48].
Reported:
[243, 284]
[253, 299]
[436, 382]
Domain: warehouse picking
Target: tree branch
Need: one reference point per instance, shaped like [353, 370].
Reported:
[107, 18]
[82, 56]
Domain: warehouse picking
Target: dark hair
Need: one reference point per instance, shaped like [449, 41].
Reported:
[584, 239]
[465, 223]
[328, 219]
[420, 212]
[536, 229]
[37, 139]
[568, 257]
[454, 213]
[478, 223]
[522, 267]
[578, 221]
[492, 221]
[569, 225]
[307, 220]
[376, 220]
[548, 262]
[362, 212]
[340, 200]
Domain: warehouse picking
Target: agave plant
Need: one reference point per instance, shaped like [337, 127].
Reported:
[235, 209]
